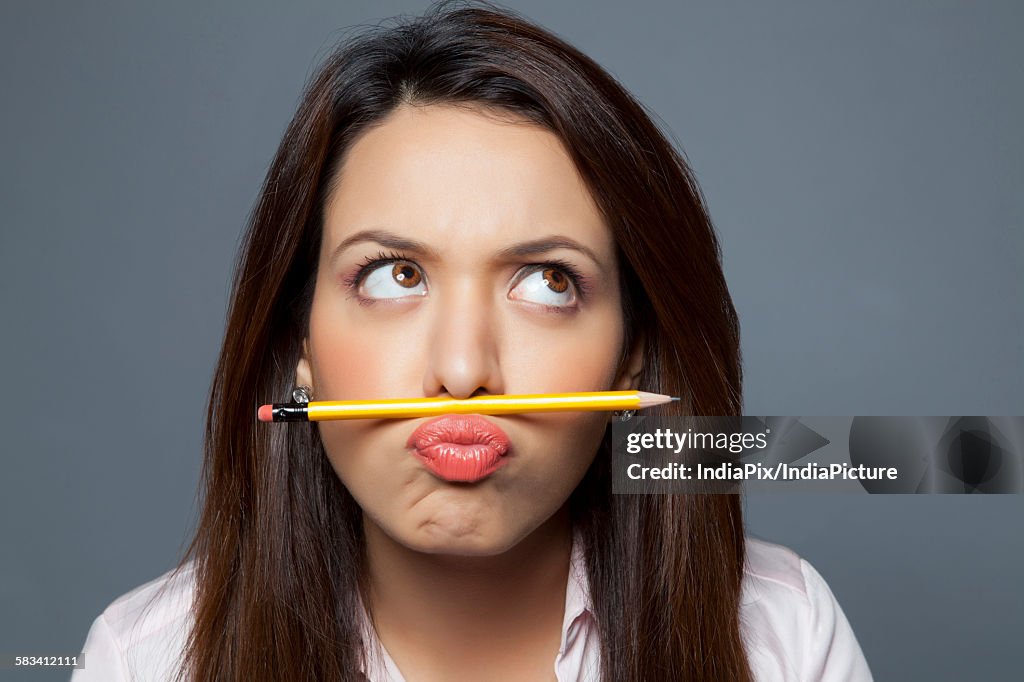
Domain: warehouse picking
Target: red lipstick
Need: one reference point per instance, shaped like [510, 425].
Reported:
[460, 447]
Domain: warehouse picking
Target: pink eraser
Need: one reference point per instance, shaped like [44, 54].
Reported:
[266, 413]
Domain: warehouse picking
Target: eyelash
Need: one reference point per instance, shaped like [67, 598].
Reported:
[369, 263]
[579, 281]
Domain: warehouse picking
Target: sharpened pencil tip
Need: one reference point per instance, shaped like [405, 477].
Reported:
[652, 399]
[674, 399]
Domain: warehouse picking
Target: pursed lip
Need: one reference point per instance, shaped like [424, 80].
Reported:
[460, 447]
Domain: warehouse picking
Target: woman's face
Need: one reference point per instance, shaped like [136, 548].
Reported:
[462, 255]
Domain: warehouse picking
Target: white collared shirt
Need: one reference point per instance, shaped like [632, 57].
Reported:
[793, 628]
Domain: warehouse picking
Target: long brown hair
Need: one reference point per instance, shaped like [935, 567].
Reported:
[278, 552]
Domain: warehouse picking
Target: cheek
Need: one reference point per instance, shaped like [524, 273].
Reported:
[358, 362]
[354, 361]
[573, 357]
[369, 460]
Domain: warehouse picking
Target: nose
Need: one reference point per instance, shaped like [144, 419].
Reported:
[463, 346]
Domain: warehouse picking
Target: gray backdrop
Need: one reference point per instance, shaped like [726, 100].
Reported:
[862, 164]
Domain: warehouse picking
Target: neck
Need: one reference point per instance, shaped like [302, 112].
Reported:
[433, 606]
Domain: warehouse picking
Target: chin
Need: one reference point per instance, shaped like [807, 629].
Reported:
[460, 535]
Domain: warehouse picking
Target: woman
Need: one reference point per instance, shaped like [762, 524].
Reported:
[466, 205]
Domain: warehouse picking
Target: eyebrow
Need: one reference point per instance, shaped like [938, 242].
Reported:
[384, 238]
[528, 248]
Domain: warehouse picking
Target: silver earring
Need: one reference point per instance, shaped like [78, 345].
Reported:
[302, 394]
[624, 415]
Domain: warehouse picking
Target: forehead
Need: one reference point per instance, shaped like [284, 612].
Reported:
[451, 176]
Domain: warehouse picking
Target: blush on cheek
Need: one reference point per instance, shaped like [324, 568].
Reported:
[359, 355]
[585, 369]
[347, 366]
[581, 356]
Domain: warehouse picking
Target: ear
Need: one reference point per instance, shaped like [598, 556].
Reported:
[304, 368]
[628, 378]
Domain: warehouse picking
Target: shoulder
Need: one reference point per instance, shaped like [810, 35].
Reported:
[773, 571]
[152, 607]
[142, 633]
[794, 628]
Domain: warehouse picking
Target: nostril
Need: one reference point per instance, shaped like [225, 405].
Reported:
[462, 395]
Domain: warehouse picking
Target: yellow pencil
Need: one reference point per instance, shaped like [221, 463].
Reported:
[405, 408]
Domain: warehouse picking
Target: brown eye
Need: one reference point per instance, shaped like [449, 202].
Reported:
[406, 275]
[393, 279]
[556, 280]
[547, 285]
